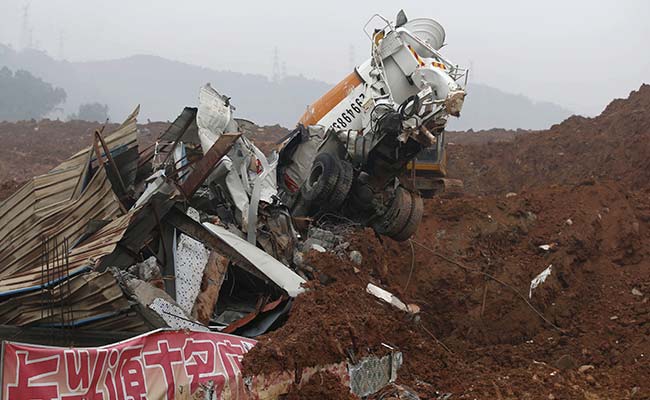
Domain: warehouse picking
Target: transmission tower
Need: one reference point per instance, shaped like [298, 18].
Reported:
[276, 65]
[26, 41]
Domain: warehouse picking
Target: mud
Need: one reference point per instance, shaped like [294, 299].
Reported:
[479, 335]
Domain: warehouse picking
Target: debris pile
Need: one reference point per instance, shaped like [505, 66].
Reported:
[203, 231]
[111, 217]
[188, 233]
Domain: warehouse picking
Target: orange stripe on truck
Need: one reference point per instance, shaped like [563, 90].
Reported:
[331, 99]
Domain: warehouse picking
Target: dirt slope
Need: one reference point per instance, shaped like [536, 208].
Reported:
[613, 145]
[479, 336]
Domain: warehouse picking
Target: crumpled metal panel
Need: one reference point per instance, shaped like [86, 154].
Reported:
[82, 299]
[190, 260]
[174, 316]
[273, 269]
[372, 373]
[21, 250]
[81, 258]
[59, 204]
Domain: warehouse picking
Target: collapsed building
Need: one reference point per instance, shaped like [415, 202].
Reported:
[203, 232]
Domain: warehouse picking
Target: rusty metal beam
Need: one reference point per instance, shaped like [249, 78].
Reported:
[204, 166]
[110, 159]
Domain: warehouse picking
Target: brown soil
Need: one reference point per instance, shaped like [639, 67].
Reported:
[32, 148]
[483, 137]
[613, 146]
[323, 385]
[479, 336]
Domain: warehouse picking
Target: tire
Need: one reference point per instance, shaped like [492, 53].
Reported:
[414, 219]
[343, 185]
[323, 175]
[395, 219]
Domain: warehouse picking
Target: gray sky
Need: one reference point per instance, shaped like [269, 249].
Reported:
[577, 53]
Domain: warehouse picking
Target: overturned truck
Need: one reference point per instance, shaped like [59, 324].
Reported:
[349, 148]
[351, 145]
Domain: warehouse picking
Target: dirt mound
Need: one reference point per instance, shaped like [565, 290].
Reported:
[482, 137]
[613, 145]
[265, 137]
[482, 335]
[32, 148]
[483, 332]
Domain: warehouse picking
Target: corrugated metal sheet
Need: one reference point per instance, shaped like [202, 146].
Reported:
[83, 298]
[81, 259]
[21, 249]
[59, 205]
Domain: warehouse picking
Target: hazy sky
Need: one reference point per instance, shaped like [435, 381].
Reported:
[577, 53]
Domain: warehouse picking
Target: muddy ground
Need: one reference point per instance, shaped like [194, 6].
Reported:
[581, 188]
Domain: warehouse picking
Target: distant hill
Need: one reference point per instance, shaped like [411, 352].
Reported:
[486, 108]
[163, 87]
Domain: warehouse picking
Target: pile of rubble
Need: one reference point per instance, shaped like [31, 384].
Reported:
[202, 231]
[188, 233]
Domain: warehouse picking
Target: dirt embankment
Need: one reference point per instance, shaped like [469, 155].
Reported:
[582, 334]
[31, 148]
[613, 146]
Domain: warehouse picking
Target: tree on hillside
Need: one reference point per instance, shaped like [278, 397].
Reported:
[24, 96]
[94, 112]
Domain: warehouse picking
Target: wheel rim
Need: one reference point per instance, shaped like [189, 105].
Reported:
[315, 175]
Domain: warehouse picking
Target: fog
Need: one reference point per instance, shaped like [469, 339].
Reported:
[578, 54]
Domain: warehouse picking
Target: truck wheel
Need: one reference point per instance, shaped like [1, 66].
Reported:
[322, 178]
[396, 216]
[343, 185]
[414, 219]
[399, 212]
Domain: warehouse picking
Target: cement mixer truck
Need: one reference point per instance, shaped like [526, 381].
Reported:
[351, 146]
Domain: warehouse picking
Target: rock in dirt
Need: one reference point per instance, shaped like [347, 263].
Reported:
[585, 368]
[318, 248]
[566, 362]
[591, 380]
[356, 257]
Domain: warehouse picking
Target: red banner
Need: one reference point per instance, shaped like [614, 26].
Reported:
[159, 365]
